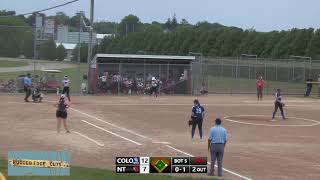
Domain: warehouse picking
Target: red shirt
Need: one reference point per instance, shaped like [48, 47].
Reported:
[260, 84]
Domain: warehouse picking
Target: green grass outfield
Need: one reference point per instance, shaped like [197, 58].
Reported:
[80, 173]
[6, 64]
[241, 85]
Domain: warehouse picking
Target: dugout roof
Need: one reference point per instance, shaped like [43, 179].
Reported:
[136, 58]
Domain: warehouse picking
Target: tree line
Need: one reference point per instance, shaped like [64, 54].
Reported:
[210, 39]
[173, 37]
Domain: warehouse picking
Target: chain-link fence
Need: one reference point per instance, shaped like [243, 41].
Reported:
[240, 75]
[227, 76]
[136, 78]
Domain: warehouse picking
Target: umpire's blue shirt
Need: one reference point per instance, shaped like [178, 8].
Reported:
[197, 112]
[27, 81]
[218, 135]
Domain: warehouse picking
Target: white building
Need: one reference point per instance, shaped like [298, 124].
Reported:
[73, 37]
[62, 34]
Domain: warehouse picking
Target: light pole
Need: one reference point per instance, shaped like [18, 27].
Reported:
[90, 40]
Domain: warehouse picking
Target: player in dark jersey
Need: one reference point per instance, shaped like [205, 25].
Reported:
[278, 104]
[62, 113]
[197, 117]
[66, 87]
[154, 86]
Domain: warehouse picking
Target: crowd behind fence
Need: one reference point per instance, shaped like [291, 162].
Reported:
[227, 76]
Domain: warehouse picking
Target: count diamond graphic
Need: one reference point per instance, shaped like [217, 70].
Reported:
[160, 166]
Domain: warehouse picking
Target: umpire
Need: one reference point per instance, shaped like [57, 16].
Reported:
[27, 82]
[217, 140]
[197, 117]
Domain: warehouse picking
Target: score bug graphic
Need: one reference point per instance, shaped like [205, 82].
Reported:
[160, 165]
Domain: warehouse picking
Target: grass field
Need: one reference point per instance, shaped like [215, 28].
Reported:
[5, 63]
[80, 173]
[240, 85]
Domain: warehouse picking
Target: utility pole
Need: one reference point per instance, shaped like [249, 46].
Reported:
[34, 43]
[79, 48]
[90, 40]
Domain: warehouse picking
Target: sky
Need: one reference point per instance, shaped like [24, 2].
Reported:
[262, 15]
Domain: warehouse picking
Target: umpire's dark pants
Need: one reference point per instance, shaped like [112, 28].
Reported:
[216, 151]
[196, 122]
[276, 106]
[27, 90]
[308, 91]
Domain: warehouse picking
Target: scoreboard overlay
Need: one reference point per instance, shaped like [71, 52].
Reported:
[146, 165]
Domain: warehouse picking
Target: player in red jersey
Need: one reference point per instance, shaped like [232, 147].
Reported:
[260, 86]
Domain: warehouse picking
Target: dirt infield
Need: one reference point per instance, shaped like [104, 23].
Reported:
[103, 127]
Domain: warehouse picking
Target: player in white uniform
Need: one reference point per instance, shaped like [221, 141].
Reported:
[66, 87]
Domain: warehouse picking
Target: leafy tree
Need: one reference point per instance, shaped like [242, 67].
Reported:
[61, 52]
[7, 13]
[61, 18]
[313, 48]
[105, 27]
[15, 36]
[83, 53]
[129, 24]
[48, 50]
[74, 22]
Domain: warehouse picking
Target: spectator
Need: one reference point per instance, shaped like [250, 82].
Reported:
[309, 86]
[204, 89]
[216, 143]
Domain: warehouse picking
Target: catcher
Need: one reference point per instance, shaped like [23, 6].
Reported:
[278, 104]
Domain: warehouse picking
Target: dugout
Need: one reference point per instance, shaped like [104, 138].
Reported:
[174, 69]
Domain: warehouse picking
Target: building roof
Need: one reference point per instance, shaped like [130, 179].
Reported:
[138, 56]
[68, 46]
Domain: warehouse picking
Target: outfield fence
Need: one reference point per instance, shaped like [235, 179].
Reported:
[240, 75]
[219, 75]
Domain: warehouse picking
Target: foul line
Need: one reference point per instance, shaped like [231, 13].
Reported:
[228, 118]
[90, 139]
[115, 134]
[231, 172]
[113, 125]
